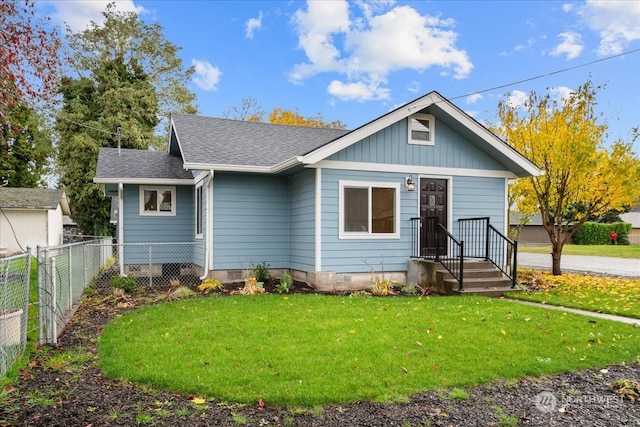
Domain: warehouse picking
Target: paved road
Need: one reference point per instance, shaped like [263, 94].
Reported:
[624, 267]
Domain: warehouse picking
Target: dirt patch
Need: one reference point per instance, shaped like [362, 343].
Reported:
[61, 388]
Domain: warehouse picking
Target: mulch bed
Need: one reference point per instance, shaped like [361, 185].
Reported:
[78, 394]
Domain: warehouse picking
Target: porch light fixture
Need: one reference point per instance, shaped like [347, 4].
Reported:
[409, 184]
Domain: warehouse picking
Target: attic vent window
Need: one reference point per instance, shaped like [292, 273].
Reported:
[421, 129]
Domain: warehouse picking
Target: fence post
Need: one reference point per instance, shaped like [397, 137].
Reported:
[53, 329]
[25, 308]
[41, 269]
[150, 273]
[70, 265]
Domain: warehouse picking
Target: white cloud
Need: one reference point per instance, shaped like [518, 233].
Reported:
[77, 15]
[571, 45]
[252, 25]
[357, 91]
[206, 76]
[567, 7]
[473, 98]
[368, 48]
[414, 87]
[517, 99]
[560, 93]
[615, 21]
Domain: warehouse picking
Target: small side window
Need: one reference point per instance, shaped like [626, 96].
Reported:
[421, 129]
[157, 201]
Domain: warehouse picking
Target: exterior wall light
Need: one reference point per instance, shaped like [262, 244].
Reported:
[409, 184]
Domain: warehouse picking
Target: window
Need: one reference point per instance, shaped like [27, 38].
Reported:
[421, 129]
[369, 210]
[157, 201]
[199, 211]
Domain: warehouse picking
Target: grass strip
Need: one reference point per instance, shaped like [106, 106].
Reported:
[599, 294]
[615, 251]
[308, 350]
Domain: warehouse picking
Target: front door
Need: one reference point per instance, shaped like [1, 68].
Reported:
[433, 204]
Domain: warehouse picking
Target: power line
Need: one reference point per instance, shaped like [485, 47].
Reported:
[562, 70]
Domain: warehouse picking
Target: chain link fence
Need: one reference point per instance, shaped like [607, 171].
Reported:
[64, 272]
[14, 306]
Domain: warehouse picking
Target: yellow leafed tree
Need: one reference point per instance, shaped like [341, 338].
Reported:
[251, 111]
[582, 176]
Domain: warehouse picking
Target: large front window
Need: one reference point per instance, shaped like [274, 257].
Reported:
[369, 210]
[157, 201]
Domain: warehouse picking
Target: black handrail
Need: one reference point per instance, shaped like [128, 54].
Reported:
[489, 244]
[503, 253]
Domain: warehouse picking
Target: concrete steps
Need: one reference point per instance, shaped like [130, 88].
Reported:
[480, 278]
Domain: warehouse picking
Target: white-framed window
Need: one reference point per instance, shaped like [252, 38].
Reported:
[421, 129]
[369, 210]
[157, 201]
[199, 210]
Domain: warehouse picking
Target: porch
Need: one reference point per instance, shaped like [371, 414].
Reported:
[479, 260]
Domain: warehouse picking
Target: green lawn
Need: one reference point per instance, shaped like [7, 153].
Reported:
[616, 251]
[593, 293]
[316, 349]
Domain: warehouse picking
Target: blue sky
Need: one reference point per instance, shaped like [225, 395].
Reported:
[354, 61]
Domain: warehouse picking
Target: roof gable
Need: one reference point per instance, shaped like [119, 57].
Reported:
[435, 104]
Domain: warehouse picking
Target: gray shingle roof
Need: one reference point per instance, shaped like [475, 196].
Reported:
[30, 198]
[139, 164]
[213, 141]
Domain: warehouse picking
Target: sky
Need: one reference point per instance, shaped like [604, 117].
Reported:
[355, 61]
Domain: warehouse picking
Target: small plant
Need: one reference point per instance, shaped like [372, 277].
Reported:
[210, 285]
[285, 283]
[380, 286]
[503, 419]
[458, 394]
[127, 284]
[238, 418]
[261, 272]
[174, 283]
[252, 286]
[629, 389]
[172, 294]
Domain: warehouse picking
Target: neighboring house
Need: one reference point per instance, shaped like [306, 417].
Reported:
[531, 233]
[633, 217]
[31, 217]
[327, 205]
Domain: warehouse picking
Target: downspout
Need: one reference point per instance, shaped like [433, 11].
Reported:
[208, 240]
[121, 226]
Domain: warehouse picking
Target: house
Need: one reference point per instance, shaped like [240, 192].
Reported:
[31, 217]
[327, 205]
[633, 218]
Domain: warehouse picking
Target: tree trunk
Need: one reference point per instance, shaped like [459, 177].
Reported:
[556, 253]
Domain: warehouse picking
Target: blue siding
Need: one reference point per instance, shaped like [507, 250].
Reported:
[479, 197]
[154, 229]
[250, 221]
[361, 255]
[302, 202]
[390, 146]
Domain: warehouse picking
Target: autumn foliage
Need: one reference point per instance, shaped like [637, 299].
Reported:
[29, 57]
[582, 177]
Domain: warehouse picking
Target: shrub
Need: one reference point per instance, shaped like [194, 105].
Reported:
[596, 233]
[209, 285]
[127, 284]
[261, 272]
[252, 286]
[285, 283]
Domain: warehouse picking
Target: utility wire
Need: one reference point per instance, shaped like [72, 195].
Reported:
[562, 70]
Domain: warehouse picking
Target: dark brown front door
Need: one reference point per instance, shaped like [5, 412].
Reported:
[433, 203]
